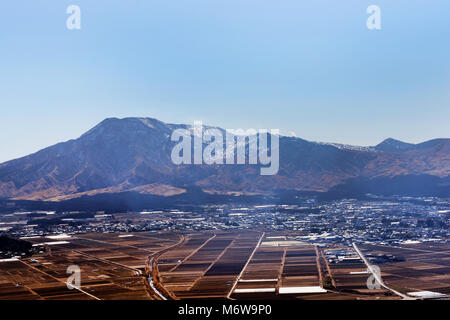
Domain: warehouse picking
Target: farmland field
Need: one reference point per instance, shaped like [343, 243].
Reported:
[218, 265]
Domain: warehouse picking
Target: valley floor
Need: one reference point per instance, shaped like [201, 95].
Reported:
[221, 265]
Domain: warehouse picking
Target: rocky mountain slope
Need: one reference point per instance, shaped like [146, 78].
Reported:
[133, 154]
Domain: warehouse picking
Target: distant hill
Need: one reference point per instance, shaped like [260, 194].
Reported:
[133, 155]
[10, 247]
[392, 145]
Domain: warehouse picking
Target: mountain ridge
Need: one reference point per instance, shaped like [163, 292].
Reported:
[133, 154]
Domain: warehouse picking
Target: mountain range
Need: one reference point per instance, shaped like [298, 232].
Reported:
[134, 155]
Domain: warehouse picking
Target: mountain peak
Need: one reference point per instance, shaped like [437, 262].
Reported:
[129, 123]
[134, 154]
[393, 145]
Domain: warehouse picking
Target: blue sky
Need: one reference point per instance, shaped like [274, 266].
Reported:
[312, 68]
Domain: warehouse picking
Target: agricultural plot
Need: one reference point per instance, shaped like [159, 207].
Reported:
[281, 269]
[219, 265]
[206, 267]
[418, 267]
[350, 275]
[111, 267]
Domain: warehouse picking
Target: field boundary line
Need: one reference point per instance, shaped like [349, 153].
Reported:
[59, 280]
[245, 266]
